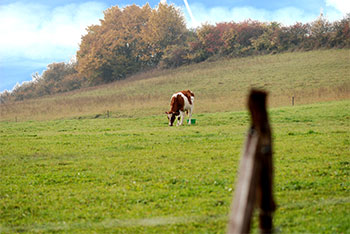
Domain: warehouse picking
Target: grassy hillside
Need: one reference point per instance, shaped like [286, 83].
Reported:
[219, 86]
[137, 175]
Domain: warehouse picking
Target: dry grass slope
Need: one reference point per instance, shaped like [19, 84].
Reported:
[310, 77]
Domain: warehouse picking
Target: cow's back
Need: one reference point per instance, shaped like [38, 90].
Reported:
[189, 95]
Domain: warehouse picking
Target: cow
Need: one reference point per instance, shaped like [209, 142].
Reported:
[180, 103]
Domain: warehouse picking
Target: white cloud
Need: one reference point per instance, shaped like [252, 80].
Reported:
[341, 5]
[38, 32]
[285, 15]
[214, 15]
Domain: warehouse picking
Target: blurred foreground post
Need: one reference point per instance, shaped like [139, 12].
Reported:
[255, 182]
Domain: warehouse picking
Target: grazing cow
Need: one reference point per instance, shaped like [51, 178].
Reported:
[180, 103]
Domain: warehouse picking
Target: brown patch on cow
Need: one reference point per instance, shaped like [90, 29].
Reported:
[177, 103]
[188, 93]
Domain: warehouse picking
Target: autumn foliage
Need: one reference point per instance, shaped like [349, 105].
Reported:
[134, 39]
[127, 41]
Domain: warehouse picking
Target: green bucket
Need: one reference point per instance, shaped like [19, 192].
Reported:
[193, 121]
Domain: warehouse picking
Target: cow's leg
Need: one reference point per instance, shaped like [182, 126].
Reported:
[178, 118]
[189, 116]
[182, 116]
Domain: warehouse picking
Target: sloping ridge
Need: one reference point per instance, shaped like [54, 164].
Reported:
[222, 85]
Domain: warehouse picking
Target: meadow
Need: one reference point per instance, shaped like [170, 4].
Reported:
[104, 160]
[137, 175]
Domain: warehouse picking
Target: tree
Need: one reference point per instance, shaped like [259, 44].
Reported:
[294, 36]
[127, 41]
[320, 31]
[269, 39]
[51, 81]
[166, 28]
[340, 36]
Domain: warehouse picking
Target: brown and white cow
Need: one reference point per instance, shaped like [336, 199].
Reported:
[180, 103]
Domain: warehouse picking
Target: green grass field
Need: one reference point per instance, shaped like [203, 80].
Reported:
[137, 175]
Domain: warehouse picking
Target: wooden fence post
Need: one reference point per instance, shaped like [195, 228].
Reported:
[293, 101]
[255, 181]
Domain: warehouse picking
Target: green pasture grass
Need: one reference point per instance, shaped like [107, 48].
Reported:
[219, 86]
[138, 175]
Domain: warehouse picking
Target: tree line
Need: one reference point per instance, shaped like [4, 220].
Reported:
[135, 39]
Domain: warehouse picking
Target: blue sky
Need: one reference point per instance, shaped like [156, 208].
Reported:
[35, 33]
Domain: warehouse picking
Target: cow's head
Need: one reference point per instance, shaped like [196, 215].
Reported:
[172, 116]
